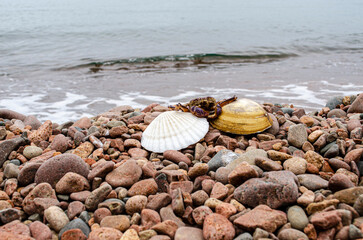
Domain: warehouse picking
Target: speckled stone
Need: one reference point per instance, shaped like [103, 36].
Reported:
[55, 168]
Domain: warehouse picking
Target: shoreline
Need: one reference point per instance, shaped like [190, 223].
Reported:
[90, 178]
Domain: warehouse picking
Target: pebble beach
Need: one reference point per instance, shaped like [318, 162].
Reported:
[92, 179]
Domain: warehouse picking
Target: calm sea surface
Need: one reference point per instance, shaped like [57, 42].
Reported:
[61, 60]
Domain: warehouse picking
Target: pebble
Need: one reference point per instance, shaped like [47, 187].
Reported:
[199, 169]
[217, 227]
[267, 164]
[291, 234]
[186, 233]
[130, 234]
[296, 165]
[56, 218]
[167, 227]
[339, 182]
[42, 133]
[337, 113]
[11, 171]
[103, 233]
[354, 232]
[354, 155]
[167, 213]
[144, 187]
[357, 105]
[349, 196]
[72, 182]
[261, 217]
[17, 228]
[97, 196]
[279, 187]
[219, 191]
[76, 224]
[119, 222]
[278, 156]
[84, 150]
[200, 213]
[221, 159]
[40, 231]
[56, 167]
[32, 151]
[135, 204]
[125, 175]
[74, 234]
[8, 214]
[325, 220]
[312, 182]
[297, 135]
[74, 209]
[158, 201]
[241, 173]
[297, 218]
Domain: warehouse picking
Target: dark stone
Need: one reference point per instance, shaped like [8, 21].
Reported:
[8, 114]
[76, 224]
[56, 167]
[7, 146]
[27, 173]
[9, 215]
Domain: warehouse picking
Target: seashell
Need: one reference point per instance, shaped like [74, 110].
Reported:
[173, 130]
[243, 116]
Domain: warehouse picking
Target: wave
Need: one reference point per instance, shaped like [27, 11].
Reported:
[201, 60]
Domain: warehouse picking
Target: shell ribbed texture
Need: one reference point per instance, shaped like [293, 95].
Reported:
[173, 130]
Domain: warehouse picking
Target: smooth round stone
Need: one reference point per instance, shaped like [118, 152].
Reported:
[339, 182]
[297, 217]
[101, 213]
[72, 182]
[15, 162]
[11, 171]
[76, 224]
[56, 167]
[40, 231]
[112, 124]
[135, 204]
[312, 182]
[56, 218]
[186, 233]
[32, 151]
[244, 236]
[296, 165]
[333, 151]
[60, 143]
[27, 173]
[275, 189]
[85, 216]
[326, 148]
[358, 205]
[291, 234]
[104, 233]
[336, 164]
[297, 135]
[338, 113]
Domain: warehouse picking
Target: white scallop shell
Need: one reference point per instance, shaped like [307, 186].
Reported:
[173, 130]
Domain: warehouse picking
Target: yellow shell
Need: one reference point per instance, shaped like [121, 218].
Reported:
[243, 116]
